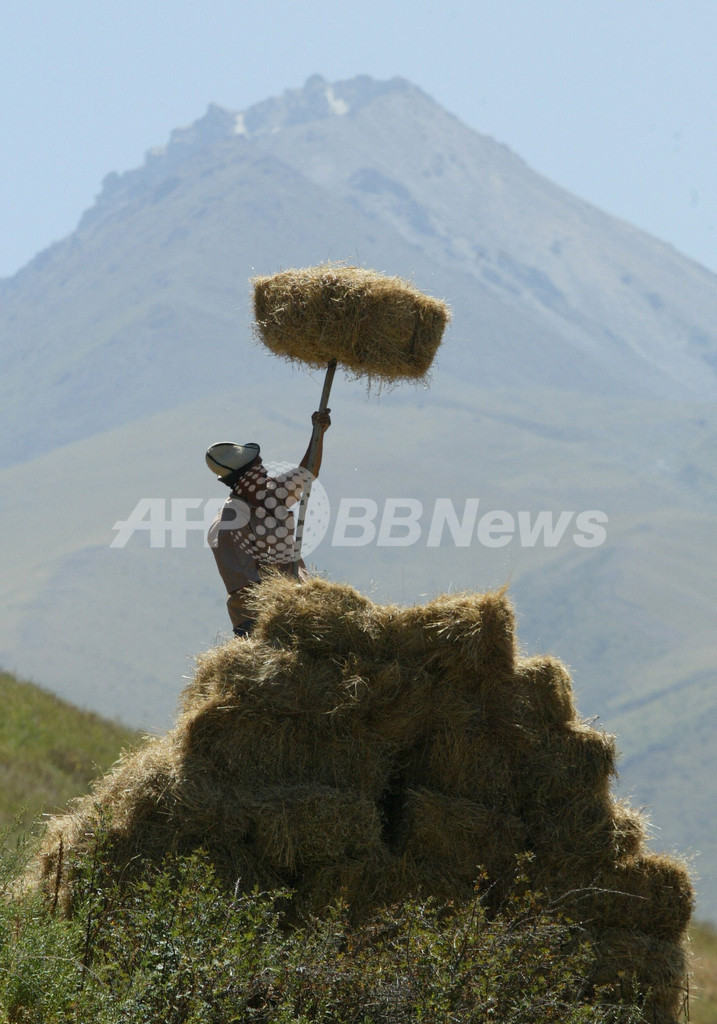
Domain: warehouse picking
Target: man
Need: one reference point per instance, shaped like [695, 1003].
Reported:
[254, 530]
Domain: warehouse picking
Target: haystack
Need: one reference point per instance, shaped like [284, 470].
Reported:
[371, 324]
[377, 752]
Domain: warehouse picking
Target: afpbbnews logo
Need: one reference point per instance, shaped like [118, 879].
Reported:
[360, 522]
[403, 522]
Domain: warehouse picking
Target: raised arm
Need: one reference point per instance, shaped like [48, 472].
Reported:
[323, 419]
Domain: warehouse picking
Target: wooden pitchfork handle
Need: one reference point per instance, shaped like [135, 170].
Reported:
[311, 466]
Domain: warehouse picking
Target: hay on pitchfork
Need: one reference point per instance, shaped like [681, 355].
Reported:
[371, 324]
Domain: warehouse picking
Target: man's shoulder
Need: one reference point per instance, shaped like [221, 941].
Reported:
[293, 475]
[234, 511]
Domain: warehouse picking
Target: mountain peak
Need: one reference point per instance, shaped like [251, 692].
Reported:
[216, 124]
[316, 100]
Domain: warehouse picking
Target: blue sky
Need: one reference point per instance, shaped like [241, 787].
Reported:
[615, 100]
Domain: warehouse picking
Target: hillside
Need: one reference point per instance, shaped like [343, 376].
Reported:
[703, 999]
[578, 374]
[49, 750]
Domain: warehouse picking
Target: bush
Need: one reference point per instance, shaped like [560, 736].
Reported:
[176, 948]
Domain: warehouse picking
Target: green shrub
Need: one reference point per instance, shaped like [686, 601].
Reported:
[176, 948]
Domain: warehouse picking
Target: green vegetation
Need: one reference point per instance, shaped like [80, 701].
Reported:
[49, 750]
[176, 948]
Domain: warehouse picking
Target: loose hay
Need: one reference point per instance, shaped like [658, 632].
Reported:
[370, 324]
[376, 752]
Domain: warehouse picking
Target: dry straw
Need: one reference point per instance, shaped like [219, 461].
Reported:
[378, 752]
[372, 325]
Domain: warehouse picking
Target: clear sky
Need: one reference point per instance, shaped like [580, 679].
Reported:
[615, 100]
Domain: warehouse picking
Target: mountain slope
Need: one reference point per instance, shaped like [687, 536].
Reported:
[578, 374]
[546, 289]
[49, 750]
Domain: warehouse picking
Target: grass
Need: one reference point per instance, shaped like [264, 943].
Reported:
[49, 750]
[703, 984]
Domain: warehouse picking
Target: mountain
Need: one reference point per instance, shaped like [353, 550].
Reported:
[547, 290]
[578, 378]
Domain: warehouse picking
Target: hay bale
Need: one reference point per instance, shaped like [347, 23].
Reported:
[315, 617]
[475, 763]
[468, 635]
[650, 893]
[265, 741]
[133, 807]
[460, 837]
[370, 324]
[548, 691]
[375, 752]
[591, 828]
[395, 662]
[300, 826]
[634, 964]
[576, 759]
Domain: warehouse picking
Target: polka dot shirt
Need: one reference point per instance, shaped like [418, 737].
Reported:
[269, 534]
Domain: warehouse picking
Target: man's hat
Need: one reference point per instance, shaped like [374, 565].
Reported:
[229, 461]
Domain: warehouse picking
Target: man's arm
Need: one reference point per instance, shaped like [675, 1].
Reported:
[324, 421]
